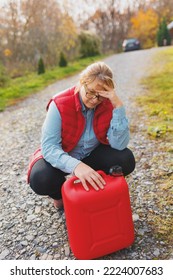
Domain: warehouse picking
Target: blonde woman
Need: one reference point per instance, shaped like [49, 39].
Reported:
[85, 130]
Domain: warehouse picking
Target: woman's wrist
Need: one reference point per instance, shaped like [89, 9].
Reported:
[116, 102]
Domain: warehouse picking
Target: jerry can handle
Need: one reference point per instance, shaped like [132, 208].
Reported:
[101, 172]
[115, 171]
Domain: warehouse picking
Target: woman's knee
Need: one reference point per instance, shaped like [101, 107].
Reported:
[38, 182]
[128, 161]
[45, 179]
[40, 177]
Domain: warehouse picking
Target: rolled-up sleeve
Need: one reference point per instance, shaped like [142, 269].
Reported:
[118, 133]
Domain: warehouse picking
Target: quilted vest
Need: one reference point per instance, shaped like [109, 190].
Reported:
[73, 121]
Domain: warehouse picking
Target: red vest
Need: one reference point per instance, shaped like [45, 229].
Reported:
[73, 122]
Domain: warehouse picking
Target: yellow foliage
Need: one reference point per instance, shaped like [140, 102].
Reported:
[144, 27]
[7, 52]
[69, 33]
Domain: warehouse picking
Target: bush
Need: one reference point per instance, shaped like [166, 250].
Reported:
[89, 44]
[41, 68]
[62, 60]
[3, 76]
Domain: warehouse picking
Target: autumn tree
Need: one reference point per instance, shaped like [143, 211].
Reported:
[110, 24]
[144, 27]
[50, 30]
[68, 42]
[163, 8]
[10, 24]
[32, 29]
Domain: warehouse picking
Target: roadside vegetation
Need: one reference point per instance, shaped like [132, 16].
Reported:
[17, 89]
[157, 103]
[158, 99]
[31, 44]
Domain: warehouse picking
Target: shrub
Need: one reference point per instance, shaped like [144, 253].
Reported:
[41, 68]
[62, 60]
[89, 44]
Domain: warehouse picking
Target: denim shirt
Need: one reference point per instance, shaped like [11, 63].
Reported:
[118, 137]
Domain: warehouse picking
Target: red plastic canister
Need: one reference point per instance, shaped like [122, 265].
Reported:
[98, 222]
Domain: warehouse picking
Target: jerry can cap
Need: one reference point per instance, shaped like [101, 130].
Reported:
[116, 171]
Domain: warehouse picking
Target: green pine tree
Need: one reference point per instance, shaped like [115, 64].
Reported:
[159, 36]
[163, 35]
[62, 60]
[41, 67]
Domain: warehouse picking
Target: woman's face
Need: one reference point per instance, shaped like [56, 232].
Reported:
[90, 94]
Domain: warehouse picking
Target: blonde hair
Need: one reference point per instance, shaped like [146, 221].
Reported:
[98, 71]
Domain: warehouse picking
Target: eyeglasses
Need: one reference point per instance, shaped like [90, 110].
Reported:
[92, 94]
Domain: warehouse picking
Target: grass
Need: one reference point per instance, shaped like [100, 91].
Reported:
[162, 224]
[158, 100]
[20, 88]
[157, 104]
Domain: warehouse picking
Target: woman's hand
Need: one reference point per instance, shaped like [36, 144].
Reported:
[86, 174]
[111, 95]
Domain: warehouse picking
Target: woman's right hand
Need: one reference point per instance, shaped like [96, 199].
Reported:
[86, 174]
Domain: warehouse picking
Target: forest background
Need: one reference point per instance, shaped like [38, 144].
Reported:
[41, 36]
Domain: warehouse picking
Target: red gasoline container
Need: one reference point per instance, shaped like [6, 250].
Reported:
[98, 222]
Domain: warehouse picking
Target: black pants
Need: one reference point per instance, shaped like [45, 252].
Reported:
[47, 180]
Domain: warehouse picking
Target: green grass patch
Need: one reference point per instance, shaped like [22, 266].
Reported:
[158, 99]
[162, 225]
[20, 88]
[157, 103]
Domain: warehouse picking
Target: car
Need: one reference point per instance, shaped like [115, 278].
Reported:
[131, 44]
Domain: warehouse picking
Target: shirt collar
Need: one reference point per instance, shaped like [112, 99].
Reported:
[84, 108]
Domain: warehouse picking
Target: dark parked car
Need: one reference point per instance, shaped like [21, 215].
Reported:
[131, 44]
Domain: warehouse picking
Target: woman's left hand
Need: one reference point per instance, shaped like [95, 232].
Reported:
[112, 96]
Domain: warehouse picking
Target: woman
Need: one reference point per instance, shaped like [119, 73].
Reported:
[85, 130]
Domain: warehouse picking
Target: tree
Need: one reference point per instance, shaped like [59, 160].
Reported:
[163, 8]
[62, 60]
[69, 36]
[41, 68]
[144, 27]
[32, 29]
[110, 24]
[89, 44]
[163, 35]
